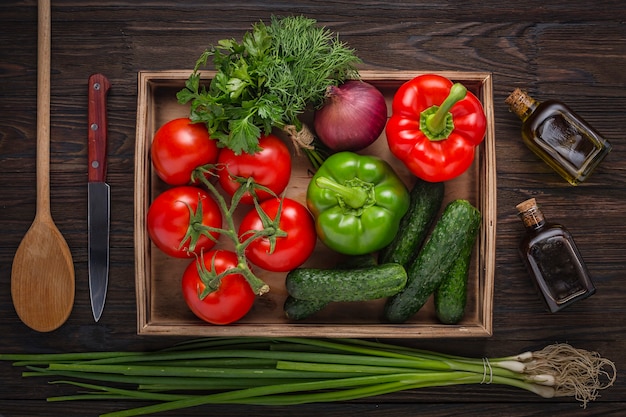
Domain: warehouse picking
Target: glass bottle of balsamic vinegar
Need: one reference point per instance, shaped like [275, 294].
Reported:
[552, 259]
[559, 136]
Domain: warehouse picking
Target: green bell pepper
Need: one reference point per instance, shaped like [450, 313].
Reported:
[357, 201]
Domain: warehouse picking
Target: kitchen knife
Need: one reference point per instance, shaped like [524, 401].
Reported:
[98, 194]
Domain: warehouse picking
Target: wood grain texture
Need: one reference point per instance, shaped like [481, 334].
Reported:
[571, 50]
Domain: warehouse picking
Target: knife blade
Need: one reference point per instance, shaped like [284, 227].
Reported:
[99, 197]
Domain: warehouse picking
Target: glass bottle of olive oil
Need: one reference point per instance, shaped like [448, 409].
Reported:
[552, 259]
[559, 136]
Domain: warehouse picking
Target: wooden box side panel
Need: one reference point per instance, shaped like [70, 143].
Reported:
[142, 168]
[488, 204]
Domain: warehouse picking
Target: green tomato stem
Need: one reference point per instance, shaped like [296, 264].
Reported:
[258, 286]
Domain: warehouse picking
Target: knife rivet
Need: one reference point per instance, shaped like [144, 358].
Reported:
[94, 126]
[96, 86]
[95, 164]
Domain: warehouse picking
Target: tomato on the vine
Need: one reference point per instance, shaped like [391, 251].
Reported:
[221, 302]
[179, 147]
[175, 216]
[290, 250]
[270, 167]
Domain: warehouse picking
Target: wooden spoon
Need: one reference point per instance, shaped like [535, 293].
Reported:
[42, 278]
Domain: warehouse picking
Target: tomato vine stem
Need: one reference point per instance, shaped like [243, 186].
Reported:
[271, 229]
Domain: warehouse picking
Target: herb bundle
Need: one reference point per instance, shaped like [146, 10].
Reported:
[267, 81]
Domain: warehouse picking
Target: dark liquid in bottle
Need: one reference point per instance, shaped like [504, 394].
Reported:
[554, 258]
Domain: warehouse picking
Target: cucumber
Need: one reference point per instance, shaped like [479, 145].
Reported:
[451, 296]
[426, 199]
[455, 230]
[357, 284]
[297, 309]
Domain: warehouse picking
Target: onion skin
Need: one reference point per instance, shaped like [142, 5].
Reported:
[353, 116]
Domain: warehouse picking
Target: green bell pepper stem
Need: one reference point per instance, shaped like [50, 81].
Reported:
[436, 122]
[352, 196]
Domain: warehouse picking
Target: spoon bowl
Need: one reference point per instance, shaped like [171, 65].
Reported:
[42, 279]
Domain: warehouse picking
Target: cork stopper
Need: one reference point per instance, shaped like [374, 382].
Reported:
[520, 103]
[530, 213]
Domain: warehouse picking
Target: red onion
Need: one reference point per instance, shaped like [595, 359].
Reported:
[353, 116]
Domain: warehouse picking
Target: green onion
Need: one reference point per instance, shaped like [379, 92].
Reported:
[289, 371]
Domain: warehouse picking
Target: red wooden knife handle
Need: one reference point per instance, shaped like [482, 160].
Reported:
[97, 114]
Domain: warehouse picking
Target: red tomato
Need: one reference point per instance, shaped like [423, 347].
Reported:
[180, 146]
[229, 302]
[270, 167]
[169, 219]
[290, 251]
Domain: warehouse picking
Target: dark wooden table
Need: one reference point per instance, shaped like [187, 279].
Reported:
[574, 51]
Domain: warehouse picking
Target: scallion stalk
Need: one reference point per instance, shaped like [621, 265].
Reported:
[288, 371]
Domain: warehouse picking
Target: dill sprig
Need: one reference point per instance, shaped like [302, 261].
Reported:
[267, 80]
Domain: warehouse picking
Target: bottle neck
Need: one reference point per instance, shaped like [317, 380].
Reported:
[533, 220]
[531, 215]
[521, 104]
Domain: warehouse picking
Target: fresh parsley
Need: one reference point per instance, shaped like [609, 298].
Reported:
[267, 80]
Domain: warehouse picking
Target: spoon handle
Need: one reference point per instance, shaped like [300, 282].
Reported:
[43, 109]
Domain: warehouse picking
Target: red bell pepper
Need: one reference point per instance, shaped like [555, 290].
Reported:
[435, 127]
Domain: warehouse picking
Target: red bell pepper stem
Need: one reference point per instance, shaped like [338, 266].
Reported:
[353, 196]
[436, 122]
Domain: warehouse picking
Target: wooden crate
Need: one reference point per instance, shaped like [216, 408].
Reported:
[161, 309]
